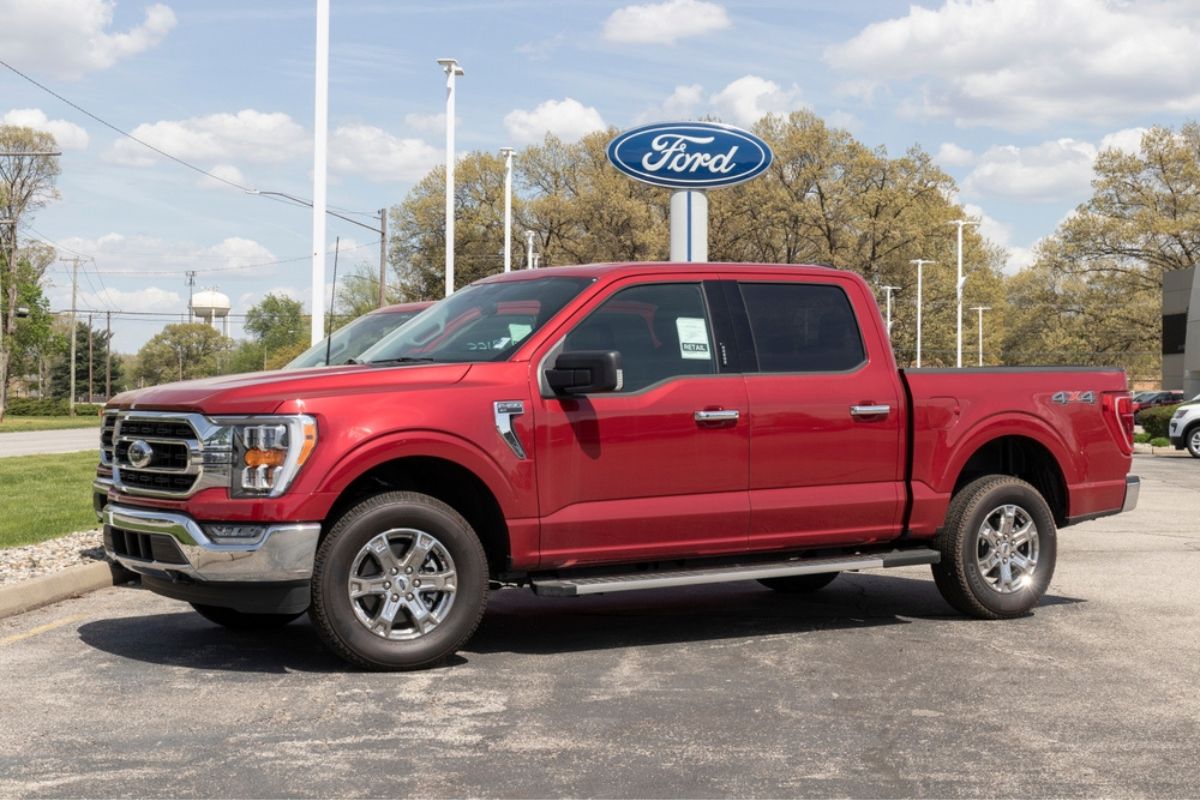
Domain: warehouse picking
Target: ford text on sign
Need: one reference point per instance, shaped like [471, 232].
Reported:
[689, 155]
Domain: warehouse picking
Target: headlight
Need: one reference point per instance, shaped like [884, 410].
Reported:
[268, 452]
[1179, 413]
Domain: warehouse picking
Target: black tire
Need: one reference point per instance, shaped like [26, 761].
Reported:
[240, 620]
[336, 615]
[1191, 440]
[961, 577]
[800, 584]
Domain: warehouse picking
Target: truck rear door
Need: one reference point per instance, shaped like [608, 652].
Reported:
[826, 414]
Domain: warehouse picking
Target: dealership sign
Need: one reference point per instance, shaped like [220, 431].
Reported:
[689, 155]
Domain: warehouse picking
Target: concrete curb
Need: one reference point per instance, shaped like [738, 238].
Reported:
[70, 582]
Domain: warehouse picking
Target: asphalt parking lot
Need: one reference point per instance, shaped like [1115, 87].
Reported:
[871, 688]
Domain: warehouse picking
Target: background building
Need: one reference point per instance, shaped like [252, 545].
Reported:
[1181, 331]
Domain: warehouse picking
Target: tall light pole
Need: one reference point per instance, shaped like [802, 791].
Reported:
[959, 285]
[507, 152]
[452, 70]
[528, 249]
[981, 309]
[920, 262]
[320, 147]
[889, 290]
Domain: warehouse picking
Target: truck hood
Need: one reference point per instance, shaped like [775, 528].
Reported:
[267, 392]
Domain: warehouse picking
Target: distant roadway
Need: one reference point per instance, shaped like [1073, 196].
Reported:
[30, 443]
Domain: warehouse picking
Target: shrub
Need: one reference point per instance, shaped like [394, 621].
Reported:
[1160, 441]
[1155, 420]
[44, 407]
[1141, 438]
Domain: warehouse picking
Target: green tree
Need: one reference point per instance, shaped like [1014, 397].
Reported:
[27, 178]
[180, 352]
[60, 373]
[280, 328]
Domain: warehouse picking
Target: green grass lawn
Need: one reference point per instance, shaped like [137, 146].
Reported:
[14, 424]
[42, 497]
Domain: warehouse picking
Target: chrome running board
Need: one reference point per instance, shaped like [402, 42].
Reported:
[662, 579]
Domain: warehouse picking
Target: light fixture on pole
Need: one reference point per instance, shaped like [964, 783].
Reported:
[528, 249]
[320, 142]
[452, 70]
[507, 152]
[959, 285]
[920, 262]
[981, 309]
[889, 290]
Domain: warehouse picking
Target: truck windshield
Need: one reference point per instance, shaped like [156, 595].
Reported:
[483, 322]
[350, 341]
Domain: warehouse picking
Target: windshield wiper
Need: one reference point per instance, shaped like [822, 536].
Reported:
[404, 360]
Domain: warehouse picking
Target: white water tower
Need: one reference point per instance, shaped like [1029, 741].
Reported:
[210, 306]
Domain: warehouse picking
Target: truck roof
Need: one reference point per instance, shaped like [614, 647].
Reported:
[652, 267]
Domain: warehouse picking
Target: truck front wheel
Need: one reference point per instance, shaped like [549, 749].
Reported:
[399, 583]
[998, 548]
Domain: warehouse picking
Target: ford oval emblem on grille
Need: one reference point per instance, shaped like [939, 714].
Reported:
[689, 155]
[140, 454]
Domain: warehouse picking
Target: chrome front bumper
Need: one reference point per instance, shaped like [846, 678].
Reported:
[1133, 487]
[283, 553]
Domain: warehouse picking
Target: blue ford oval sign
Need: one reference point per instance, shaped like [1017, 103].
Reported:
[689, 155]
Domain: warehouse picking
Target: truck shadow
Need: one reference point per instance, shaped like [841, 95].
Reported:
[518, 622]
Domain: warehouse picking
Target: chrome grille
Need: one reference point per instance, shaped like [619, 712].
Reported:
[176, 454]
[107, 425]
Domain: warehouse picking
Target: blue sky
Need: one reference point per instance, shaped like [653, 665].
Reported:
[1013, 97]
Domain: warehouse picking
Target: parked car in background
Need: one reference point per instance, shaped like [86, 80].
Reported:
[1155, 399]
[349, 341]
[1184, 430]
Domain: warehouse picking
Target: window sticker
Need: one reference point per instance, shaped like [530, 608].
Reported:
[518, 331]
[693, 338]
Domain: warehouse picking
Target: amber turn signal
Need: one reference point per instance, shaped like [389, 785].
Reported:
[265, 458]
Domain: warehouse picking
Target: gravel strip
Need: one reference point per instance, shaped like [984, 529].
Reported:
[34, 560]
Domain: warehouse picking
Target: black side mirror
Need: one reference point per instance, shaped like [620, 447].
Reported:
[584, 371]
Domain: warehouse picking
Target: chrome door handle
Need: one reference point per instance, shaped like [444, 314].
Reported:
[869, 411]
[721, 415]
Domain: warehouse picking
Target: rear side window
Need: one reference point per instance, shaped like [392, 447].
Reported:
[802, 327]
[660, 330]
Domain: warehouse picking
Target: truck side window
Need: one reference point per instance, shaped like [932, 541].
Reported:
[660, 330]
[802, 327]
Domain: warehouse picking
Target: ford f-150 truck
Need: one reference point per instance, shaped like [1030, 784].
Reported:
[601, 429]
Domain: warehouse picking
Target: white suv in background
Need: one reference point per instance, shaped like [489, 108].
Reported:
[1184, 430]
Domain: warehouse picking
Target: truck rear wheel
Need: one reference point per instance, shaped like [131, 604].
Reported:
[998, 548]
[399, 583]
[799, 584]
[240, 620]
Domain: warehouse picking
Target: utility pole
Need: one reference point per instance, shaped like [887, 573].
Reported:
[959, 285]
[507, 152]
[107, 356]
[74, 290]
[981, 309]
[920, 262]
[382, 257]
[191, 282]
[889, 290]
[90, 356]
[452, 70]
[528, 249]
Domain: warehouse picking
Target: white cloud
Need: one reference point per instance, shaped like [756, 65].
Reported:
[1019, 64]
[118, 255]
[682, 104]
[378, 155]
[568, 119]
[1000, 233]
[664, 23]
[271, 137]
[1127, 141]
[1055, 170]
[70, 38]
[429, 123]
[226, 171]
[68, 135]
[541, 49]
[951, 155]
[844, 119]
[750, 98]
[151, 298]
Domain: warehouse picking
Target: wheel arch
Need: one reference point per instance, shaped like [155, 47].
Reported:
[1020, 457]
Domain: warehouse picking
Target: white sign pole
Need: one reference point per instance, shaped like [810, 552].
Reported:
[320, 135]
[689, 226]
[452, 70]
[507, 152]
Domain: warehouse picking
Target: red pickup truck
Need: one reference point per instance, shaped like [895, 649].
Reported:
[601, 429]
